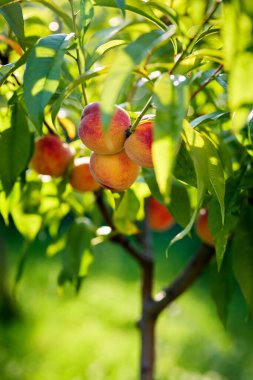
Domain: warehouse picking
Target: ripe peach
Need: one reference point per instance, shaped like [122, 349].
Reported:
[202, 228]
[51, 156]
[138, 145]
[116, 172]
[81, 178]
[158, 216]
[95, 138]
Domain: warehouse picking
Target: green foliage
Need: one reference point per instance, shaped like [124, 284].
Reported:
[194, 61]
[13, 15]
[15, 147]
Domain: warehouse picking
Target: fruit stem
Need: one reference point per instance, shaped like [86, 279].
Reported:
[144, 110]
[78, 58]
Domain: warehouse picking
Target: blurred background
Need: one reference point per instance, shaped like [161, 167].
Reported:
[45, 334]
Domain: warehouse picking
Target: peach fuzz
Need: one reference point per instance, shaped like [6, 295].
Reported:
[95, 138]
[138, 145]
[202, 228]
[81, 178]
[51, 156]
[116, 172]
[159, 217]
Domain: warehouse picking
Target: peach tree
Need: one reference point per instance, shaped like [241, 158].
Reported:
[181, 73]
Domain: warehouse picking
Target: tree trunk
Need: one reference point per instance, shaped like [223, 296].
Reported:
[147, 326]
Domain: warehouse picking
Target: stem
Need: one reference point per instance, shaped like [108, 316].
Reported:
[78, 58]
[184, 280]
[191, 40]
[204, 84]
[144, 110]
[50, 130]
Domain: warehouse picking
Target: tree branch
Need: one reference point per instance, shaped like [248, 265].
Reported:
[142, 259]
[184, 280]
[204, 84]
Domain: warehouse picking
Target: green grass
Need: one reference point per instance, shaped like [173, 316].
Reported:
[93, 335]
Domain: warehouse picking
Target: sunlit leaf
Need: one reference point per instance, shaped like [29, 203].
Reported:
[125, 214]
[122, 67]
[42, 74]
[169, 98]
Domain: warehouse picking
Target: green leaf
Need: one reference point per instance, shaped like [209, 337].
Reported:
[209, 173]
[42, 74]
[15, 147]
[14, 16]
[27, 224]
[7, 70]
[169, 98]
[4, 207]
[222, 288]
[86, 15]
[6, 2]
[149, 176]
[213, 116]
[184, 169]
[242, 255]
[57, 246]
[179, 205]
[139, 7]
[222, 232]
[125, 214]
[124, 64]
[241, 81]
[73, 85]
[77, 257]
[122, 6]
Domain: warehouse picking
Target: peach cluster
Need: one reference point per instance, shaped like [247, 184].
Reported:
[111, 167]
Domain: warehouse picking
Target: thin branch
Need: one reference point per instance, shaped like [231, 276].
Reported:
[120, 239]
[78, 58]
[204, 84]
[144, 110]
[185, 279]
[50, 130]
[191, 40]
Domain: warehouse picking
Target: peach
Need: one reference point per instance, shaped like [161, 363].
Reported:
[159, 217]
[51, 156]
[138, 145]
[116, 172]
[95, 138]
[202, 228]
[81, 178]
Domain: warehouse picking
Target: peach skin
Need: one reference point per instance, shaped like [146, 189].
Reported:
[159, 217]
[81, 178]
